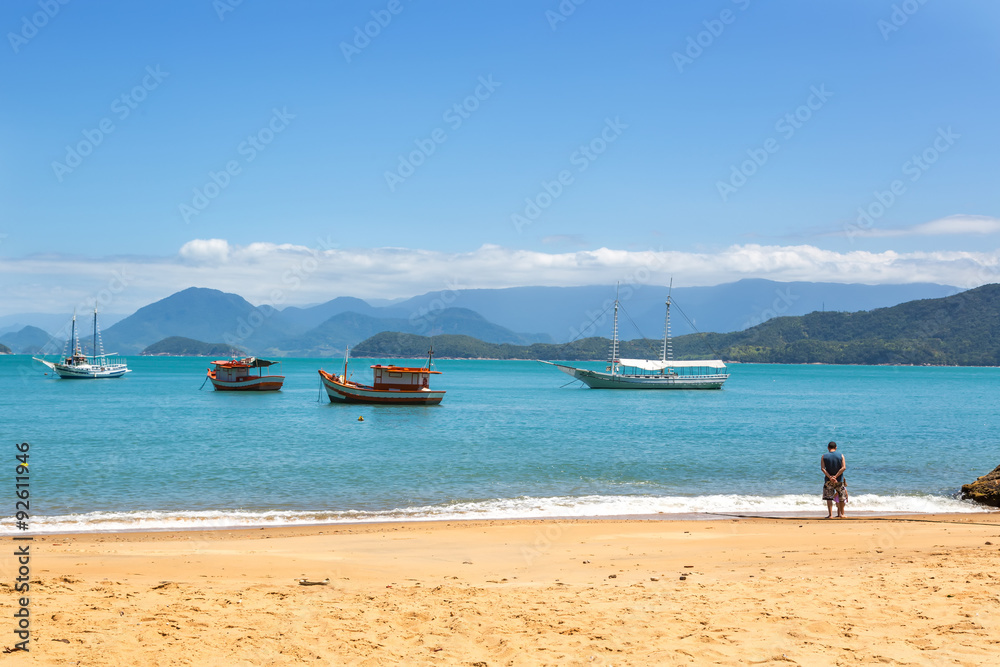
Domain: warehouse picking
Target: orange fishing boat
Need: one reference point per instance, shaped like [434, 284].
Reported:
[392, 385]
[237, 375]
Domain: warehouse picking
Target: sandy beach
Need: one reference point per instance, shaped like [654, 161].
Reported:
[923, 590]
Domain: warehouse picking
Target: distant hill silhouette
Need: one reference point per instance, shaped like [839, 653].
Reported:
[961, 330]
[53, 323]
[565, 313]
[207, 314]
[178, 346]
[304, 319]
[31, 340]
[395, 345]
[348, 328]
[197, 313]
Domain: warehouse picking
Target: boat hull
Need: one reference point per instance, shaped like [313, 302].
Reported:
[351, 392]
[599, 380]
[78, 374]
[249, 383]
[86, 371]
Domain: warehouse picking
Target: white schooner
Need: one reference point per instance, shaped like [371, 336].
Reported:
[81, 366]
[663, 373]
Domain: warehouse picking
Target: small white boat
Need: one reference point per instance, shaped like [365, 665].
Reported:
[79, 366]
[662, 373]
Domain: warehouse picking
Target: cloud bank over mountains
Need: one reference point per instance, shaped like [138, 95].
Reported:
[287, 274]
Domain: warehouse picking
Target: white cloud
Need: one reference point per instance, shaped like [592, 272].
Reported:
[291, 274]
[205, 251]
[953, 225]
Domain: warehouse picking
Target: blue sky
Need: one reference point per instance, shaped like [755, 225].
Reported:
[275, 150]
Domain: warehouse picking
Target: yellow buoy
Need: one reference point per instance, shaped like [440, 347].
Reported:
[360, 418]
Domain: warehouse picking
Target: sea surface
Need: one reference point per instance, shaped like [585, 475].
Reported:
[153, 450]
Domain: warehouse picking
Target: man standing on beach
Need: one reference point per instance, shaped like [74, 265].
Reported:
[833, 466]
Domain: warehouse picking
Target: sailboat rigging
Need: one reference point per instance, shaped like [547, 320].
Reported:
[79, 366]
[662, 373]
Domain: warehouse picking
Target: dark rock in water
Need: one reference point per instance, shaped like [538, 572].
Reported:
[985, 490]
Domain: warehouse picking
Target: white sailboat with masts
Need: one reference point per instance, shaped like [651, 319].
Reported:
[663, 373]
[81, 366]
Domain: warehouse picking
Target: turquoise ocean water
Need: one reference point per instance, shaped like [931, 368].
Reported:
[152, 451]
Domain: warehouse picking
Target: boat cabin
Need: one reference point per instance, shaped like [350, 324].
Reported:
[400, 378]
[671, 368]
[236, 370]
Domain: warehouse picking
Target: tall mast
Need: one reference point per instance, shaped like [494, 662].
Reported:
[72, 337]
[95, 331]
[614, 338]
[668, 346]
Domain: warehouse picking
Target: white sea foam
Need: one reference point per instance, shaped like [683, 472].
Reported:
[512, 508]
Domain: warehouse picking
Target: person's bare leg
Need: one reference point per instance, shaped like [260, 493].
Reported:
[840, 509]
[829, 509]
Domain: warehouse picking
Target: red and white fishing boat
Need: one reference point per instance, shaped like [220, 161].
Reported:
[392, 385]
[237, 375]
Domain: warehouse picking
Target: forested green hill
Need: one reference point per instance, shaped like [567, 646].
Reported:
[178, 346]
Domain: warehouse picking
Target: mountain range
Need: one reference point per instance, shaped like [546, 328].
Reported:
[515, 316]
[567, 313]
[960, 330]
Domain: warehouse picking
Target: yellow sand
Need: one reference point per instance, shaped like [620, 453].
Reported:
[757, 591]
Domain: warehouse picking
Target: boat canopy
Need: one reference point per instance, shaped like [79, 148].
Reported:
[255, 362]
[246, 362]
[659, 365]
